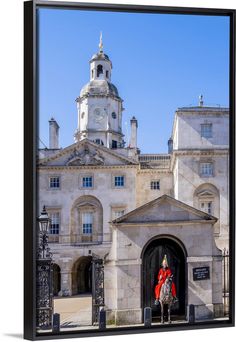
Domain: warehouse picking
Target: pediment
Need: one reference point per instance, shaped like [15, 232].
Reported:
[86, 153]
[164, 209]
[206, 193]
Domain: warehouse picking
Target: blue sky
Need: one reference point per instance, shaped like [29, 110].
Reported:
[160, 62]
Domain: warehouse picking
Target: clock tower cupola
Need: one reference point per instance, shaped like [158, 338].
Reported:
[100, 106]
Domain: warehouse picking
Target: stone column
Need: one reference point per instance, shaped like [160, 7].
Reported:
[66, 283]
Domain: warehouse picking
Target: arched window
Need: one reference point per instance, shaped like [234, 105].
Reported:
[206, 198]
[86, 220]
[99, 70]
[107, 73]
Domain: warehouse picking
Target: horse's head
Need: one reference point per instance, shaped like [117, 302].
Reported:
[169, 280]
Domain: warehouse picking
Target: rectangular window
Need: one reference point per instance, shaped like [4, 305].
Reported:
[118, 213]
[207, 207]
[87, 182]
[206, 130]
[87, 223]
[54, 183]
[55, 223]
[119, 181]
[114, 144]
[206, 169]
[155, 185]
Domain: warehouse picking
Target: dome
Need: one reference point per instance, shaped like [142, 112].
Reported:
[100, 56]
[99, 87]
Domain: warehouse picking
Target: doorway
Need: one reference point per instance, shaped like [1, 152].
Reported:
[152, 257]
[82, 276]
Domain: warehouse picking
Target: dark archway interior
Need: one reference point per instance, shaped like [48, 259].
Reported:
[82, 276]
[152, 259]
[56, 279]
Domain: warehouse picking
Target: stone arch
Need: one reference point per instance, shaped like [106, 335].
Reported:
[99, 70]
[152, 255]
[82, 276]
[81, 205]
[206, 197]
[56, 279]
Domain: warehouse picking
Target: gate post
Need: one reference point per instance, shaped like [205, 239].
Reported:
[97, 288]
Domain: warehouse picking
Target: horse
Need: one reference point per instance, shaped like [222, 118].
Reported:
[166, 297]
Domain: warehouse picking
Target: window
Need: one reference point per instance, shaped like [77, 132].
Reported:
[113, 115]
[99, 142]
[206, 130]
[87, 223]
[107, 74]
[82, 115]
[87, 182]
[99, 70]
[55, 223]
[206, 169]
[54, 182]
[118, 213]
[207, 207]
[155, 185]
[119, 181]
[92, 73]
[114, 144]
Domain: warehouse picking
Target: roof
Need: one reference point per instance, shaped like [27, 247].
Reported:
[164, 209]
[100, 56]
[99, 87]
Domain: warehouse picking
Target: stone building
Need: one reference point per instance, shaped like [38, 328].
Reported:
[108, 199]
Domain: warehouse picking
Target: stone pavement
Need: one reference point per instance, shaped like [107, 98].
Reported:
[74, 311]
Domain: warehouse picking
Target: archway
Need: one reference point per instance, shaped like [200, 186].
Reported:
[152, 257]
[56, 279]
[82, 276]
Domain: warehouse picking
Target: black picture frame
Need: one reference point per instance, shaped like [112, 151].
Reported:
[30, 179]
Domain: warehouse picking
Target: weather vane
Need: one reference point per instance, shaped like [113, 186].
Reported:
[100, 43]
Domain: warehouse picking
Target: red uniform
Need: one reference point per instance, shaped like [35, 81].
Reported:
[162, 275]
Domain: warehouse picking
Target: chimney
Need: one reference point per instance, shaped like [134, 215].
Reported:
[53, 134]
[133, 136]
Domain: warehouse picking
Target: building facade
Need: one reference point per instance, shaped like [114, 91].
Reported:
[108, 199]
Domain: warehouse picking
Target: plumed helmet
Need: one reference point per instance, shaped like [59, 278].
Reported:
[165, 260]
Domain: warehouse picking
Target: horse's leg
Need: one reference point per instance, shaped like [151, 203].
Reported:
[162, 313]
[169, 321]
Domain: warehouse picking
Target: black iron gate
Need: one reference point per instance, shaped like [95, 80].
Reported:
[97, 288]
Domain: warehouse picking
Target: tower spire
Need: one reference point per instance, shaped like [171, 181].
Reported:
[100, 43]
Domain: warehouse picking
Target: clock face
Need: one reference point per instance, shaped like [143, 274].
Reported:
[99, 115]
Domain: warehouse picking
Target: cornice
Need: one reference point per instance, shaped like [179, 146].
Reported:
[155, 224]
[84, 167]
[154, 171]
[80, 99]
[198, 152]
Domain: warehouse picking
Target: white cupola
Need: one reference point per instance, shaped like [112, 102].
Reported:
[100, 106]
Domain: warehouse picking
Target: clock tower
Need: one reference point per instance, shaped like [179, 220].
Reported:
[100, 106]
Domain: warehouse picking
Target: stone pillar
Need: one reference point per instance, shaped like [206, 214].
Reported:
[133, 136]
[200, 291]
[53, 134]
[66, 283]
